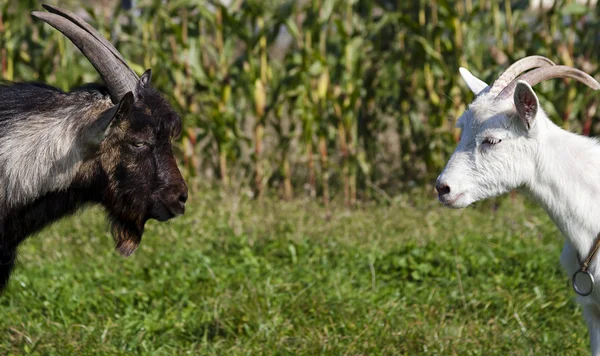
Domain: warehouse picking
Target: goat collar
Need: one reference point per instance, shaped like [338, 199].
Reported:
[583, 280]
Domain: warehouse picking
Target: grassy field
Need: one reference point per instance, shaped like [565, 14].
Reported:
[235, 277]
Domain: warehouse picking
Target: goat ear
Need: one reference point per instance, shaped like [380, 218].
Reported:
[145, 79]
[119, 112]
[526, 102]
[144, 82]
[475, 84]
[110, 119]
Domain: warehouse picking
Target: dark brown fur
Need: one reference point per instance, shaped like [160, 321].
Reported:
[132, 173]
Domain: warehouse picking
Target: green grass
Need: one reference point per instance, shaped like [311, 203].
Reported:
[236, 277]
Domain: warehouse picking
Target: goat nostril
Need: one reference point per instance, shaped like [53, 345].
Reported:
[183, 197]
[442, 189]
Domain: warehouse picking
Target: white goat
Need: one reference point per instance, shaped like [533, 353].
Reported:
[509, 142]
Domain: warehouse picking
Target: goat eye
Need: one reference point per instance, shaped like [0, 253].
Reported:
[138, 144]
[491, 141]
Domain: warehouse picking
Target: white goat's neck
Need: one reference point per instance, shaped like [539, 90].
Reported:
[567, 183]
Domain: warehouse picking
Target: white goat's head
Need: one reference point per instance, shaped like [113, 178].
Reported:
[501, 133]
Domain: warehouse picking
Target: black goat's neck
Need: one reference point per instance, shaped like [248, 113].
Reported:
[36, 215]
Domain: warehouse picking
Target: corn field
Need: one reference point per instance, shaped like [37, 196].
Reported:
[332, 99]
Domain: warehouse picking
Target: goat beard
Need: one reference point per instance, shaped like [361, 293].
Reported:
[127, 234]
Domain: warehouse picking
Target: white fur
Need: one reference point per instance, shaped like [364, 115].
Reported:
[559, 169]
[43, 153]
[37, 158]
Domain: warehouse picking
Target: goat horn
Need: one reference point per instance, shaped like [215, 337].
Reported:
[516, 69]
[540, 74]
[108, 62]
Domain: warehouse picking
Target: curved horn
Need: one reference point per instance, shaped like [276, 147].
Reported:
[538, 75]
[108, 62]
[516, 69]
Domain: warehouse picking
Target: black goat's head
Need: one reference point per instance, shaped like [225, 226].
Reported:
[134, 156]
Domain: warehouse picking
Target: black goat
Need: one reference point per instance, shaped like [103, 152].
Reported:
[109, 145]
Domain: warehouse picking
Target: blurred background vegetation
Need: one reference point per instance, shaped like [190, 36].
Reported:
[314, 101]
[332, 99]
